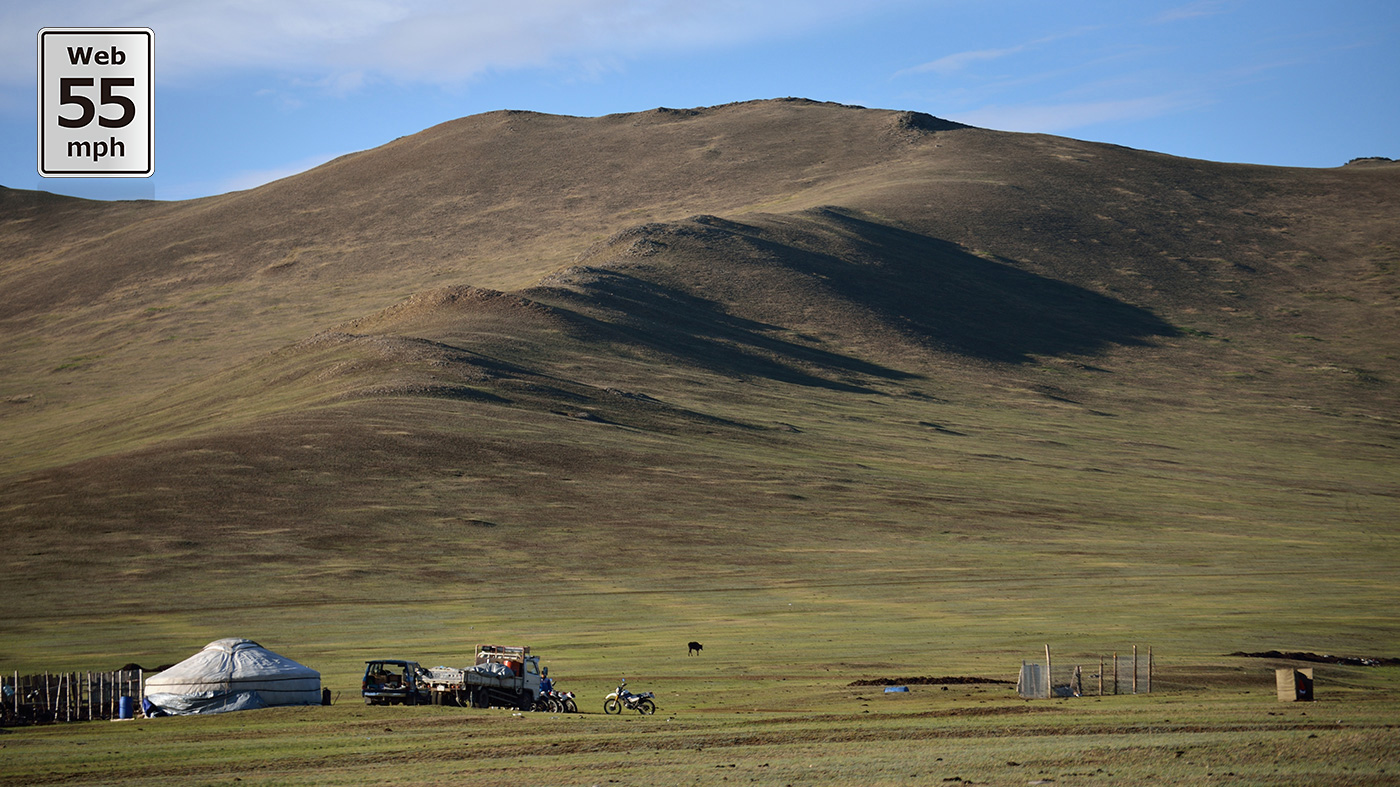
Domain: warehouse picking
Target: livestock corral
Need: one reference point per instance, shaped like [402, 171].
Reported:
[69, 696]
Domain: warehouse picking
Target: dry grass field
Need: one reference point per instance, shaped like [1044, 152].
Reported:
[842, 393]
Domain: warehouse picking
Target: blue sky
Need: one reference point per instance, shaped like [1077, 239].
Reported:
[248, 92]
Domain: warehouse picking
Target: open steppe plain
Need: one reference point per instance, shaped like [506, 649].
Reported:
[841, 393]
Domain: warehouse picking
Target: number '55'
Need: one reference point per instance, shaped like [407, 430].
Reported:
[66, 95]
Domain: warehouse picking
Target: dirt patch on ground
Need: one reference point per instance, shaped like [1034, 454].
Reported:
[1323, 658]
[949, 680]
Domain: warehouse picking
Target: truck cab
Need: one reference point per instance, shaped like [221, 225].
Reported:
[395, 682]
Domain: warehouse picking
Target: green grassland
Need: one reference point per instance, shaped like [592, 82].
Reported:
[854, 547]
[722, 722]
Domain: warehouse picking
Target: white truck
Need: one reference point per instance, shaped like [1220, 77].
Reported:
[501, 677]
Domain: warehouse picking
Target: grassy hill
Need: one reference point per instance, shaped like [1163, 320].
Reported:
[796, 379]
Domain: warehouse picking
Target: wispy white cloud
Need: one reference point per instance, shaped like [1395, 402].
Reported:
[247, 179]
[949, 64]
[194, 38]
[1079, 78]
[434, 41]
[1054, 118]
[959, 61]
[1196, 10]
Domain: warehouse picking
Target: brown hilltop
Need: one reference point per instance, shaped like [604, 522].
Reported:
[505, 196]
[806, 317]
[504, 199]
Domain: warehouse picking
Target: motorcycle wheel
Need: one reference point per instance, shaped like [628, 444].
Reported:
[570, 706]
[646, 707]
[612, 706]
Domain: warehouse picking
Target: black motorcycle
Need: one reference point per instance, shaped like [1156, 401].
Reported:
[556, 702]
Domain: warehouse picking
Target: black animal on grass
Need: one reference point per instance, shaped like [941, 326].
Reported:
[695, 647]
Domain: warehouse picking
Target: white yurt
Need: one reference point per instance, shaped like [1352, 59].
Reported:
[231, 674]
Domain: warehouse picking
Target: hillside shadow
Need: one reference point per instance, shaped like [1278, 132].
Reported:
[619, 306]
[927, 291]
[955, 300]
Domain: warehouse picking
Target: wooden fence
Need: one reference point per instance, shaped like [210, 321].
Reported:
[67, 696]
[1119, 673]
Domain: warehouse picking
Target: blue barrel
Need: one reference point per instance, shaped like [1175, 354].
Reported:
[126, 708]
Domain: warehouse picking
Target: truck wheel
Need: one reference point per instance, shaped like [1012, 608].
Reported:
[646, 707]
[612, 706]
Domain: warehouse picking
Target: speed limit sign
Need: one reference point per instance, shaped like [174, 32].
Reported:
[95, 102]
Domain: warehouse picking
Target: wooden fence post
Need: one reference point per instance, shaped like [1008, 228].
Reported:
[1100, 675]
[1135, 669]
[1049, 681]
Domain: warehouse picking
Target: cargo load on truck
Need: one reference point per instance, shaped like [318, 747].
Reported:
[501, 676]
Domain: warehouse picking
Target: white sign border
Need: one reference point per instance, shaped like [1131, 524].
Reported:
[150, 103]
